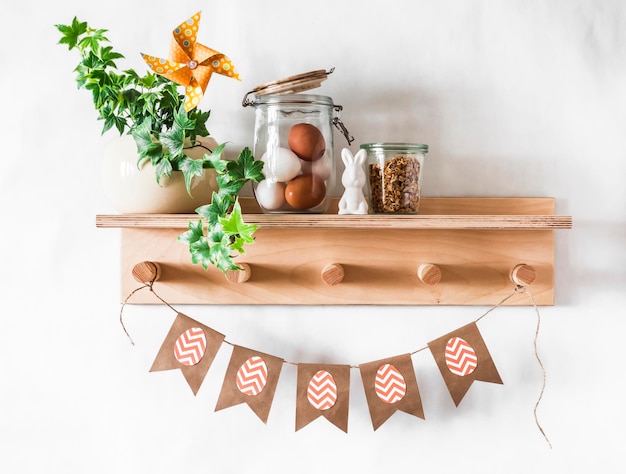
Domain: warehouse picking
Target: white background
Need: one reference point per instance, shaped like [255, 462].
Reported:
[515, 98]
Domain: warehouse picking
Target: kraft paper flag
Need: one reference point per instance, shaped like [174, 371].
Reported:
[390, 385]
[323, 390]
[191, 64]
[251, 378]
[191, 347]
[462, 358]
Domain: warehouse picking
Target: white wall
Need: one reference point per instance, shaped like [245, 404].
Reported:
[515, 98]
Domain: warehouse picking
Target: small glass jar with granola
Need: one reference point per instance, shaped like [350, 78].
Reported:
[394, 172]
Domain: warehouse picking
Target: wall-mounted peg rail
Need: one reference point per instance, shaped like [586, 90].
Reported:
[332, 274]
[457, 251]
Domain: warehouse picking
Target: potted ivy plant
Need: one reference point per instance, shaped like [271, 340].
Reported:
[149, 109]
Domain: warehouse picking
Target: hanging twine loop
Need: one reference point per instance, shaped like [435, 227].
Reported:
[146, 273]
[124, 305]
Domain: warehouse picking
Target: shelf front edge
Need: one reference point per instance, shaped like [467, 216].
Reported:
[450, 222]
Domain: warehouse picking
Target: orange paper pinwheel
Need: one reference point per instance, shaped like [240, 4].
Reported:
[191, 64]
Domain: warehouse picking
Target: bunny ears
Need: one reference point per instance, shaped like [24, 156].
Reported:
[349, 159]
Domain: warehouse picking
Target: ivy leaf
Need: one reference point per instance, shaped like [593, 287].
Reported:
[204, 210]
[229, 187]
[108, 56]
[215, 161]
[200, 118]
[234, 225]
[182, 120]
[174, 139]
[190, 168]
[194, 234]
[92, 61]
[148, 101]
[245, 167]
[220, 256]
[201, 252]
[215, 234]
[162, 167]
[219, 206]
[237, 245]
[154, 152]
[148, 81]
[146, 146]
[143, 132]
[114, 120]
[93, 41]
[71, 33]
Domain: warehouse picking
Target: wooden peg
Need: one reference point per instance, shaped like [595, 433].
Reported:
[332, 274]
[429, 274]
[147, 272]
[239, 276]
[523, 275]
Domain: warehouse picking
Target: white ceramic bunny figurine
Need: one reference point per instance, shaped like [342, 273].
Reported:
[353, 179]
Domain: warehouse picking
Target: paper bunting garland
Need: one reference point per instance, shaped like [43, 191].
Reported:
[191, 347]
[462, 358]
[322, 390]
[390, 385]
[190, 63]
[251, 378]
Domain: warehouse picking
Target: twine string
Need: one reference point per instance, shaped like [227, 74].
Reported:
[162, 300]
[124, 305]
[543, 369]
[150, 285]
[497, 305]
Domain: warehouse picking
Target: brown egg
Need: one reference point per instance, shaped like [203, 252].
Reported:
[305, 191]
[306, 141]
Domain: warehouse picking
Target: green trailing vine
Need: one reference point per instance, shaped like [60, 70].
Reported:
[222, 234]
[150, 109]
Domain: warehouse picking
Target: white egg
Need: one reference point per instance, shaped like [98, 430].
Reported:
[280, 164]
[322, 167]
[270, 195]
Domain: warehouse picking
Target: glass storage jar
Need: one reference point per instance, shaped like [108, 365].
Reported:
[394, 172]
[293, 136]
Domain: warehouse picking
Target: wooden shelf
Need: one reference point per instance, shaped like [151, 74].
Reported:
[474, 244]
[424, 220]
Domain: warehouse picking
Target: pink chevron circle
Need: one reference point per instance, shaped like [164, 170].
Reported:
[461, 357]
[190, 346]
[389, 385]
[252, 376]
[322, 391]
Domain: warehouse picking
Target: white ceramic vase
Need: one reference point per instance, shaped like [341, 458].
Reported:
[133, 190]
